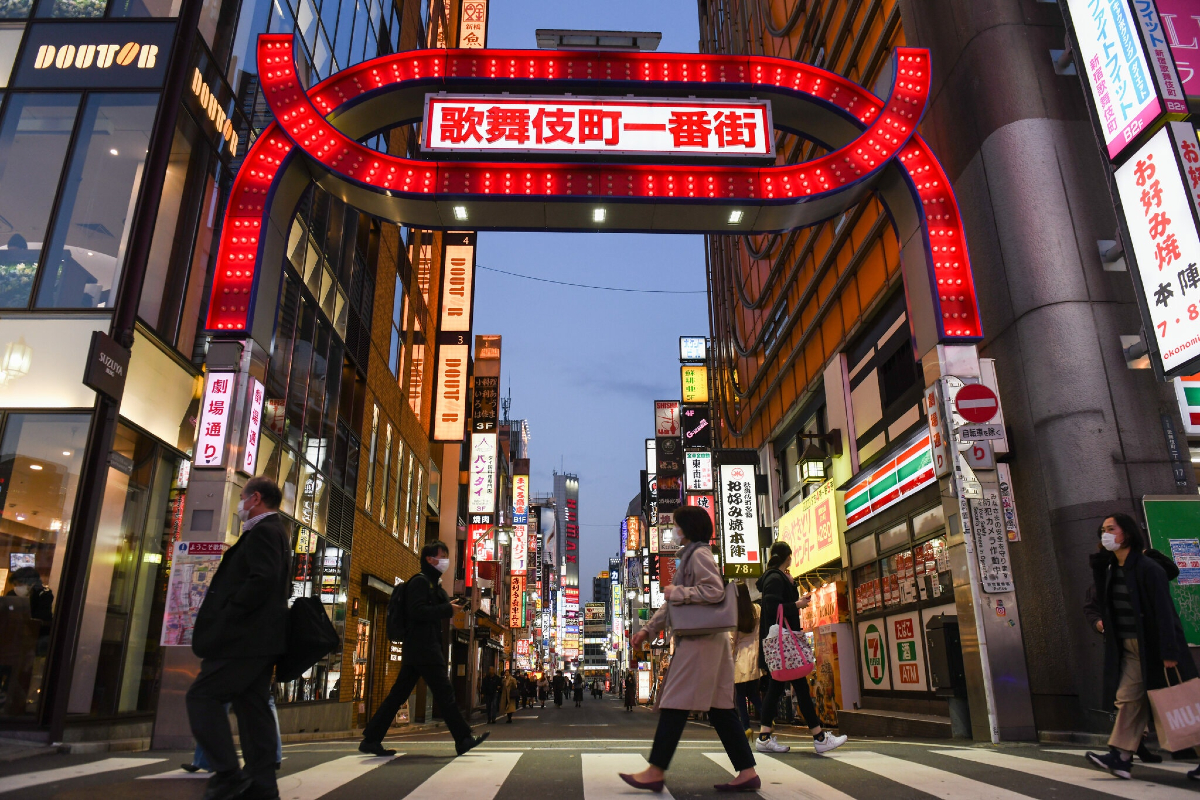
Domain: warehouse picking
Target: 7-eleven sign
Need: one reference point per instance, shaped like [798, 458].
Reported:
[1187, 390]
[875, 656]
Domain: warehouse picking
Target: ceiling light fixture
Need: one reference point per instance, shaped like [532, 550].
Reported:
[460, 213]
[735, 216]
[598, 215]
[36, 467]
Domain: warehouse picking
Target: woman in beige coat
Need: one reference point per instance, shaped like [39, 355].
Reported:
[701, 674]
[746, 671]
[508, 695]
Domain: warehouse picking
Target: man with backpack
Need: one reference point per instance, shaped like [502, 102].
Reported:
[415, 614]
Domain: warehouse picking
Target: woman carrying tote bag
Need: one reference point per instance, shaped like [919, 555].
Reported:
[701, 673]
[779, 591]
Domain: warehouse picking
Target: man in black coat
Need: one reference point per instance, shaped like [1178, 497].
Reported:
[239, 635]
[489, 688]
[426, 606]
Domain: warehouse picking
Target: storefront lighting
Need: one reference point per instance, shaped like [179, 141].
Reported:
[18, 358]
[36, 467]
[812, 464]
[460, 213]
[735, 216]
[152, 558]
[598, 215]
[56, 524]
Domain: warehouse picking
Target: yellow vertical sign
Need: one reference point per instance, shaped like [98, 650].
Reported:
[693, 380]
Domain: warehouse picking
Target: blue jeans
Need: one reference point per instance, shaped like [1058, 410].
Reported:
[200, 758]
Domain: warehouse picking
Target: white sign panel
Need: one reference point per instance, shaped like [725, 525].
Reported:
[454, 337]
[216, 415]
[651, 456]
[472, 30]
[1118, 73]
[692, 348]
[739, 515]
[1162, 232]
[597, 125]
[483, 473]
[991, 543]
[253, 428]
[450, 419]
[520, 549]
[698, 471]
[666, 417]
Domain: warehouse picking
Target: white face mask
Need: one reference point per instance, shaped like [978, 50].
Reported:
[442, 565]
[1109, 540]
[242, 513]
[22, 589]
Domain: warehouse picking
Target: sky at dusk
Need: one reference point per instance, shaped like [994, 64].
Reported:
[585, 366]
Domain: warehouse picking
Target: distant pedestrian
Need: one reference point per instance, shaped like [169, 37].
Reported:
[426, 607]
[630, 691]
[509, 690]
[560, 687]
[578, 690]
[745, 659]
[701, 674]
[240, 633]
[543, 690]
[779, 591]
[1144, 645]
[489, 690]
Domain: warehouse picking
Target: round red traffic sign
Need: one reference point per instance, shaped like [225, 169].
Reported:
[976, 403]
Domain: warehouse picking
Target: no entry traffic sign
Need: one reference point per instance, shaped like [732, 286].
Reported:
[976, 403]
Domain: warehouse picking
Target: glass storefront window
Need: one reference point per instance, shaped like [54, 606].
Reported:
[15, 9]
[10, 40]
[148, 8]
[899, 583]
[932, 561]
[87, 249]
[33, 146]
[867, 593]
[320, 570]
[40, 458]
[71, 8]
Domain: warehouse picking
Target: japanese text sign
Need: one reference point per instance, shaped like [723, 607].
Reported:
[216, 415]
[991, 543]
[253, 427]
[698, 471]
[811, 529]
[706, 502]
[520, 499]
[1155, 191]
[597, 125]
[516, 609]
[483, 473]
[1162, 63]
[739, 515]
[1116, 68]
[693, 348]
[472, 31]
[520, 549]
[666, 418]
[693, 380]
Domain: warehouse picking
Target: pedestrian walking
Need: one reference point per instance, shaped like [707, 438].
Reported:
[746, 671]
[509, 691]
[200, 758]
[240, 633]
[630, 691]
[578, 687]
[543, 690]
[779, 591]
[560, 687]
[489, 690]
[1144, 645]
[426, 605]
[701, 674]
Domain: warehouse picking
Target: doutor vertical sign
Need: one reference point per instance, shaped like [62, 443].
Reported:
[454, 336]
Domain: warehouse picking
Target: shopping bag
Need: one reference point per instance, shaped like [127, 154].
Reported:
[788, 656]
[1177, 713]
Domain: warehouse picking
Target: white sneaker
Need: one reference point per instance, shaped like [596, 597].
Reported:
[771, 746]
[830, 742]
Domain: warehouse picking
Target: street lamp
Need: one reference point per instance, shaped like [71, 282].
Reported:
[812, 464]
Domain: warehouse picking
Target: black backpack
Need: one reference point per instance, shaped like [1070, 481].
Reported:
[395, 613]
[310, 637]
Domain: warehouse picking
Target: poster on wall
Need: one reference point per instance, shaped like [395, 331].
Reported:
[875, 662]
[907, 651]
[193, 565]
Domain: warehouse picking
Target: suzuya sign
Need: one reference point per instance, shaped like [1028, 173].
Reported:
[473, 124]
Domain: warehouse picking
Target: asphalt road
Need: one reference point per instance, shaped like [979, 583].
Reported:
[548, 754]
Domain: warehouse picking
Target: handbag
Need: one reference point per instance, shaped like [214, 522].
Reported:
[310, 637]
[703, 619]
[1177, 713]
[788, 657]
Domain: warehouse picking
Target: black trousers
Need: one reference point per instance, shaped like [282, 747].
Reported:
[443, 694]
[671, 722]
[245, 683]
[803, 699]
[743, 692]
[489, 702]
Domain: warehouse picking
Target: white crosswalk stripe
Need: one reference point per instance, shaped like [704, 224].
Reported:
[782, 781]
[937, 782]
[42, 777]
[478, 776]
[1180, 767]
[1083, 777]
[314, 782]
[601, 781]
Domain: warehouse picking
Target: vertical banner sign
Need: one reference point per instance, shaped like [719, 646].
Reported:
[697, 426]
[693, 381]
[739, 520]
[693, 348]
[633, 541]
[571, 537]
[483, 474]
[253, 428]
[520, 536]
[651, 457]
[472, 27]
[666, 418]
[485, 403]
[454, 336]
[939, 432]
[1155, 186]
[1116, 70]
[516, 611]
[698, 471]
[991, 543]
[215, 414]
[706, 502]
[1162, 63]
[668, 451]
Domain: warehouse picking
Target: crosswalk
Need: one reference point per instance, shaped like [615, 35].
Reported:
[861, 771]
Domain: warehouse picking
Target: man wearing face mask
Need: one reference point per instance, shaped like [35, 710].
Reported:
[426, 605]
[240, 633]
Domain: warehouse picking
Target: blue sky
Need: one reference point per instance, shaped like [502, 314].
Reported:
[585, 366]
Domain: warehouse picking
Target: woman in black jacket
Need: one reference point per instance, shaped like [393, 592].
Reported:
[1143, 637]
[779, 591]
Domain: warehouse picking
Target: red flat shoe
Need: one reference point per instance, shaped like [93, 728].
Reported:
[653, 786]
[752, 785]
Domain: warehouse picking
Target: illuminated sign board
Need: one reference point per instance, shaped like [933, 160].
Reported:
[124, 55]
[597, 126]
[253, 428]
[516, 601]
[216, 413]
[811, 528]
[212, 106]
[454, 337]
[697, 470]
[693, 381]
[739, 520]
[693, 348]
[666, 418]
[1157, 200]
[519, 549]
[483, 474]
[472, 27]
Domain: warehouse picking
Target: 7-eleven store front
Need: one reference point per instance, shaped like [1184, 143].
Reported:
[900, 576]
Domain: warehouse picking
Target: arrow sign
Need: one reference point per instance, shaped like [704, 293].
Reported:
[976, 403]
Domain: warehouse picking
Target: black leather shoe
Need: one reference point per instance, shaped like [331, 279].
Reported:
[189, 768]
[375, 749]
[471, 742]
[260, 792]
[227, 785]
